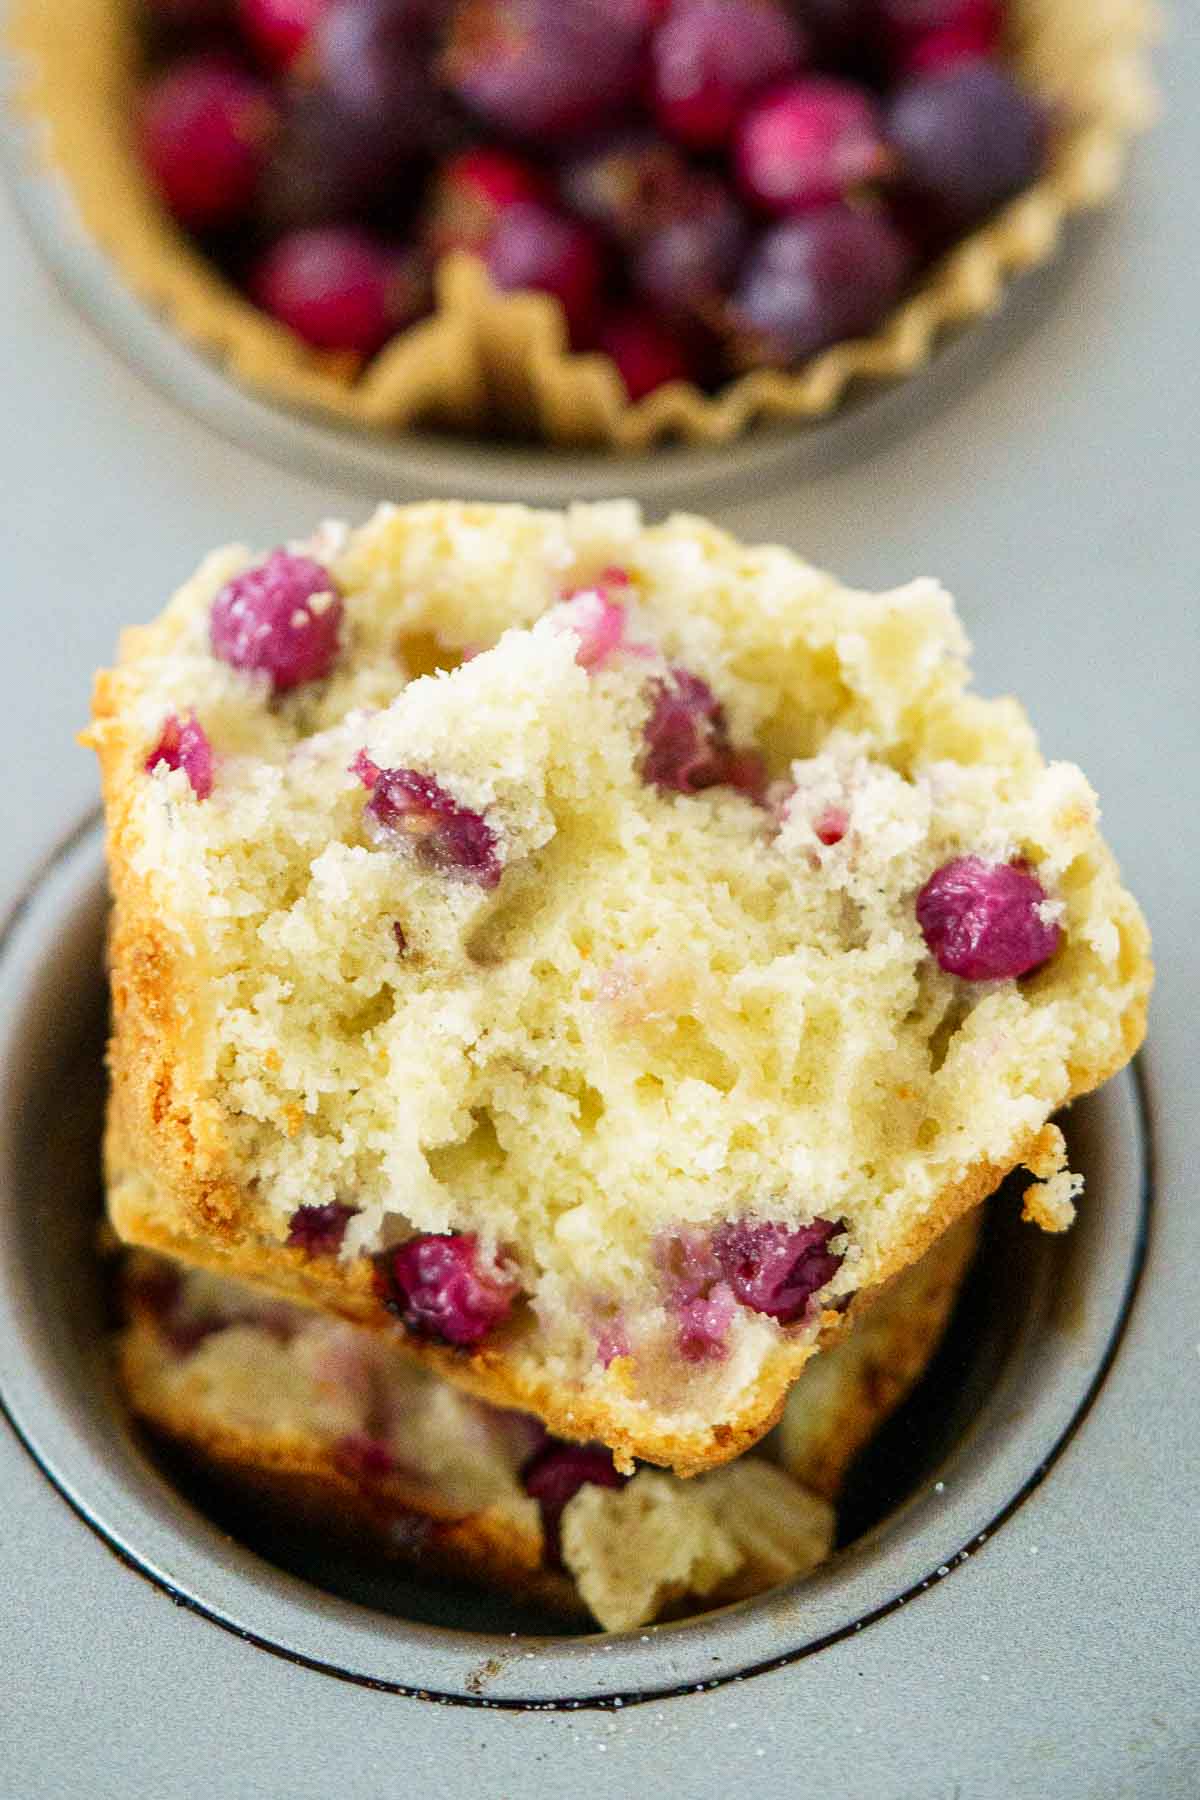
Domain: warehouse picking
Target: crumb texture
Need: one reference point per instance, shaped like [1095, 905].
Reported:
[564, 1004]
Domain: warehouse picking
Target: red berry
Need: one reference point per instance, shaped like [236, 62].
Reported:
[687, 741]
[407, 807]
[831, 825]
[441, 1288]
[279, 29]
[533, 247]
[646, 354]
[332, 286]
[809, 142]
[711, 57]
[597, 620]
[471, 193]
[184, 744]
[282, 617]
[985, 921]
[931, 34]
[205, 129]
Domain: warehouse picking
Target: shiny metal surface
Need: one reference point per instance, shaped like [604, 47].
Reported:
[1056, 492]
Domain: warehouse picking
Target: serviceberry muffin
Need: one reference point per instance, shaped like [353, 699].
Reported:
[328, 1421]
[600, 955]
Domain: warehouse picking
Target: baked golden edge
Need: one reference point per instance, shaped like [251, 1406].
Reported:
[305, 1479]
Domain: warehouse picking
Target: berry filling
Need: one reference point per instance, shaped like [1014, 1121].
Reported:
[814, 279]
[279, 29]
[333, 286]
[473, 192]
[687, 742]
[363, 1457]
[407, 807]
[808, 143]
[598, 621]
[711, 57]
[588, 150]
[205, 128]
[968, 139]
[831, 825]
[184, 745]
[700, 1299]
[537, 247]
[774, 1269]
[440, 1288]
[546, 69]
[282, 618]
[646, 354]
[986, 921]
[554, 1477]
[319, 1230]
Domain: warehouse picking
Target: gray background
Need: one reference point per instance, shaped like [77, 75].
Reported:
[1056, 493]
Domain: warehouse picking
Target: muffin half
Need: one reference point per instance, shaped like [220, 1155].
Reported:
[598, 955]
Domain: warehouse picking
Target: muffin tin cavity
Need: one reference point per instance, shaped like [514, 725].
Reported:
[1025, 1359]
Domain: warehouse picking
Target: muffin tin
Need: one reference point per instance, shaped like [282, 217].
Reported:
[1055, 490]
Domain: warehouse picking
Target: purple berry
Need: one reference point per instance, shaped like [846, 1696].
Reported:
[279, 29]
[363, 1457]
[332, 286]
[555, 1476]
[711, 57]
[825, 275]
[808, 143]
[774, 1269]
[328, 166]
[319, 1230]
[687, 741]
[986, 921]
[547, 69]
[440, 1288]
[407, 807]
[685, 267]
[282, 617]
[646, 354]
[967, 137]
[184, 745]
[372, 57]
[204, 131]
[533, 247]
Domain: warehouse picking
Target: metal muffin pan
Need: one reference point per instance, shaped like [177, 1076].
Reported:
[1047, 468]
[1064, 1308]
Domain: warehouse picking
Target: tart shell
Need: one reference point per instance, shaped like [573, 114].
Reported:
[491, 363]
